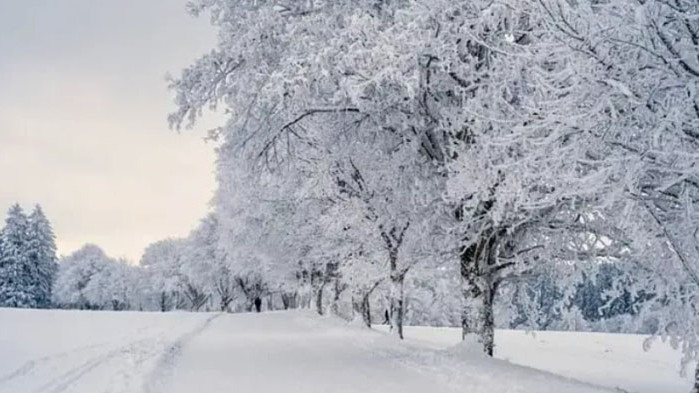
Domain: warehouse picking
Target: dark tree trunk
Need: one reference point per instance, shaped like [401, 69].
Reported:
[478, 290]
[319, 299]
[163, 301]
[361, 303]
[360, 306]
[396, 306]
[196, 298]
[478, 317]
[258, 304]
[225, 302]
[393, 240]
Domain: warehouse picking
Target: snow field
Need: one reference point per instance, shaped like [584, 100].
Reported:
[606, 359]
[299, 352]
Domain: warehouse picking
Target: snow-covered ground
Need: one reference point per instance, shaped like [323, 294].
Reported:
[612, 360]
[76, 352]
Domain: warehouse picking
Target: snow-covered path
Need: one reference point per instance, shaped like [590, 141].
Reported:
[301, 353]
[274, 352]
[279, 352]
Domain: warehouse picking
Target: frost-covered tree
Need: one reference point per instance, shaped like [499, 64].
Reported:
[84, 280]
[110, 288]
[18, 272]
[207, 266]
[646, 53]
[162, 263]
[42, 254]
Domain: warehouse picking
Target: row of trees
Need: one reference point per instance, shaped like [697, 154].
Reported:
[27, 259]
[371, 140]
[185, 274]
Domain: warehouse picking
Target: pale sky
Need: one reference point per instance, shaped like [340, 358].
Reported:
[83, 130]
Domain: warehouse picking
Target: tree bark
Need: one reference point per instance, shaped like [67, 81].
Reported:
[360, 306]
[396, 312]
[319, 299]
[478, 290]
[695, 388]
[397, 278]
[163, 301]
[477, 316]
[393, 240]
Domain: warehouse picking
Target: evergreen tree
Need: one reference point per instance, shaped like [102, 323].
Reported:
[16, 269]
[42, 256]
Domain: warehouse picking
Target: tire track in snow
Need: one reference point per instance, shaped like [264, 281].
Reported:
[30, 365]
[70, 377]
[159, 379]
[126, 364]
[37, 365]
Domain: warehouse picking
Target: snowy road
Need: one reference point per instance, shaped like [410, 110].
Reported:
[301, 353]
[282, 352]
[275, 353]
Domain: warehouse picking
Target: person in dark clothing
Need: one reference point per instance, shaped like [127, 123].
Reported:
[258, 304]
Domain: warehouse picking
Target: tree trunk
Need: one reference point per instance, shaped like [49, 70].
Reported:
[477, 317]
[695, 388]
[197, 298]
[396, 312]
[335, 307]
[319, 299]
[338, 288]
[226, 297]
[225, 302]
[163, 301]
[289, 300]
[394, 240]
[305, 294]
[360, 306]
[478, 290]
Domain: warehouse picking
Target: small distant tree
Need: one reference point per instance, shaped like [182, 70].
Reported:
[77, 278]
[162, 262]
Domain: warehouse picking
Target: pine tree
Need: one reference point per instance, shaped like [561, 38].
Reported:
[42, 256]
[16, 270]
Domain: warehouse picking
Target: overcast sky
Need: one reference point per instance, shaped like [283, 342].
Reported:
[83, 131]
